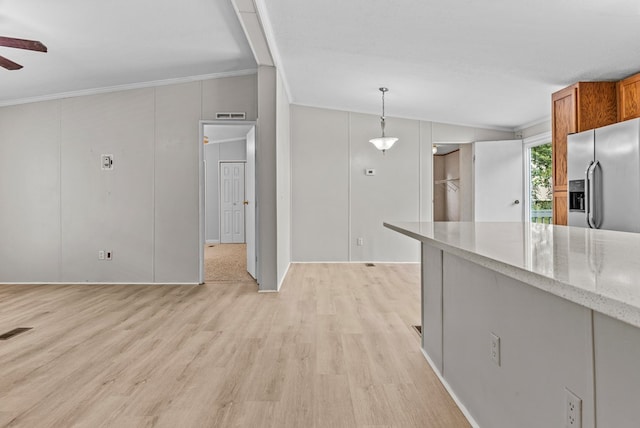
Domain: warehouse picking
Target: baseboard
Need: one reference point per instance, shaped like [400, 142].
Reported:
[453, 395]
[286, 271]
[267, 291]
[356, 263]
[212, 241]
[99, 283]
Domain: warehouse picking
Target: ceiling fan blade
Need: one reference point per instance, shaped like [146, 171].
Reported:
[8, 64]
[31, 45]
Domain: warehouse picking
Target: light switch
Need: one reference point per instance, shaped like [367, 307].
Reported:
[369, 171]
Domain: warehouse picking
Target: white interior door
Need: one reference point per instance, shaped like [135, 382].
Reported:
[232, 202]
[250, 196]
[498, 181]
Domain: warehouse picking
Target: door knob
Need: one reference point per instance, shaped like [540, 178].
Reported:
[246, 202]
[516, 202]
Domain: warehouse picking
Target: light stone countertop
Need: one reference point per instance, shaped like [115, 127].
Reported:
[598, 269]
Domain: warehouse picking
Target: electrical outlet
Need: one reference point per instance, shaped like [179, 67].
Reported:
[494, 351]
[108, 255]
[106, 162]
[360, 242]
[101, 255]
[573, 417]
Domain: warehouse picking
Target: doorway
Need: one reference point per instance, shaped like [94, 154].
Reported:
[538, 179]
[452, 181]
[227, 201]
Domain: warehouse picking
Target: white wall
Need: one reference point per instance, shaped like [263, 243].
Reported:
[59, 208]
[283, 179]
[320, 184]
[266, 189]
[391, 194]
[30, 218]
[439, 190]
[537, 129]
[446, 200]
[214, 153]
[466, 182]
[334, 203]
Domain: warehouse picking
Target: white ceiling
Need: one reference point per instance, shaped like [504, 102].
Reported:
[98, 44]
[491, 63]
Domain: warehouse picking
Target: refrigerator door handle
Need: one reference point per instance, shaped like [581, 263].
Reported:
[587, 195]
[593, 215]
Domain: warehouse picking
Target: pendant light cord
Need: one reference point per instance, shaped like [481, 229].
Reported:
[383, 90]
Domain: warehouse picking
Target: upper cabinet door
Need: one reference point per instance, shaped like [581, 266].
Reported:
[628, 102]
[565, 117]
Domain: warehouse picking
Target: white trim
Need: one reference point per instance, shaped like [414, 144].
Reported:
[128, 86]
[98, 283]
[453, 395]
[468, 125]
[202, 219]
[201, 185]
[227, 140]
[527, 143]
[356, 263]
[212, 241]
[546, 119]
[286, 271]
[267, 31]
[536, 140]
[268, 291]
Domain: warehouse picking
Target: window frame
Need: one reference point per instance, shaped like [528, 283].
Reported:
[528, 143]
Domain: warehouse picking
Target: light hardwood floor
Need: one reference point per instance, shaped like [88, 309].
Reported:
[333, 349]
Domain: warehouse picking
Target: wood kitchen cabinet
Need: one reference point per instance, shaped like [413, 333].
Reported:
[577, 108]
[629, 98]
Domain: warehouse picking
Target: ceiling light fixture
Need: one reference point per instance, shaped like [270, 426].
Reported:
[383, 143]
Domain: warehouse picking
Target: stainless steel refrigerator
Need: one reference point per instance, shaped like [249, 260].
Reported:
[603, 170]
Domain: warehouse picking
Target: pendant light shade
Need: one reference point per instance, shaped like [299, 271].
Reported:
[383, 143]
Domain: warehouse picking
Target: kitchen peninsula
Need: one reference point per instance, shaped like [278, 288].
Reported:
[521, 320]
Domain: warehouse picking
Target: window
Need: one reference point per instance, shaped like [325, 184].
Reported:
[538, 185]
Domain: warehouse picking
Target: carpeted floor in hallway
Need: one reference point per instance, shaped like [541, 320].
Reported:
[226, 262]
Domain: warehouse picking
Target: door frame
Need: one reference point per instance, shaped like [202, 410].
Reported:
[527, 143]
[201, 187]
[244, 217]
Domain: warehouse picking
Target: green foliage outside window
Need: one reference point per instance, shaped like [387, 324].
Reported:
[541, 185]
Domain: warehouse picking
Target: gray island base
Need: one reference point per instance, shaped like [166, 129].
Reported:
[532, 325]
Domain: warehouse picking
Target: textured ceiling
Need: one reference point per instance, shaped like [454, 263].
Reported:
[97, 44]
[491, 63]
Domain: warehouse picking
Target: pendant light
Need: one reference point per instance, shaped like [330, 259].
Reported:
[383, 143]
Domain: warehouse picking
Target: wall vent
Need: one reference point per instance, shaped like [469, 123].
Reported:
[231, 116]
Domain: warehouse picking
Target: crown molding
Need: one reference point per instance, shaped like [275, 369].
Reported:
[127, 87]
[546, 119]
